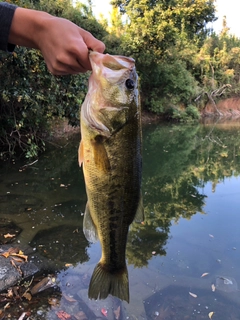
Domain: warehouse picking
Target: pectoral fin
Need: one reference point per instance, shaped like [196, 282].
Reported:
[80, 154]
[89, 228]
[101, 159]
[139, 217]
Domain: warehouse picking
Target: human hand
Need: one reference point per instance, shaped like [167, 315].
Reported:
[63, 44]
[65, 47]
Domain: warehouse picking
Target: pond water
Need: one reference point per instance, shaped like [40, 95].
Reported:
[183, 262]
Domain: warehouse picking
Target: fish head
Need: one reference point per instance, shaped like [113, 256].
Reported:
[116, 79]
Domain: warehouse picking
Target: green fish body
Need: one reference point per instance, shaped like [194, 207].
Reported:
[110, 152]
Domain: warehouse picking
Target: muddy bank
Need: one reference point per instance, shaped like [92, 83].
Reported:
[227, 108]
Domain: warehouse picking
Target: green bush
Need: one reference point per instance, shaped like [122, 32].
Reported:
[30, 97]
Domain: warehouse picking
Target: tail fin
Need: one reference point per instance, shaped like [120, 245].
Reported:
[104, 283]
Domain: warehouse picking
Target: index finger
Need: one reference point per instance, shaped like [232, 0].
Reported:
[92, 42]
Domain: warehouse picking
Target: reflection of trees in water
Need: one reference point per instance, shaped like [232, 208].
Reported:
[178, 162]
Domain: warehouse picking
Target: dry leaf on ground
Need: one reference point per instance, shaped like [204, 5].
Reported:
[204, 274]
[63, 315]
[117, 313]
[193, 294]
[8, 235]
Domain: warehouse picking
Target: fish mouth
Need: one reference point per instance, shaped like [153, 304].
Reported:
[115, 62]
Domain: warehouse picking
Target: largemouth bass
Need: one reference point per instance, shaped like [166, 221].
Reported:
[110, 152]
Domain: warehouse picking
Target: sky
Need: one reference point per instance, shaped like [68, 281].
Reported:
[228, 8]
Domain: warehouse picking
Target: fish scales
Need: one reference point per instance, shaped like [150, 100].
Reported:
[110, 151]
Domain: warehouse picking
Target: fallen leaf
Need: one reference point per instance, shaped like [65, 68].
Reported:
[210, 314]
[13, 263]
[13, 250]
[5, 254]
[27, 295]
[193, 294]
[8, 235]
[69, 299]
[104, 312]
[213, 287]
[117, 313]
[204, 274]
[24, 257]
[16, 259]
[63, 315]
[45, 283]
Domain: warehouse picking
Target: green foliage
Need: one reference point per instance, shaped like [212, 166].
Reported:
[188, 114]
[156, 34]
[30, 97]
[177, 58]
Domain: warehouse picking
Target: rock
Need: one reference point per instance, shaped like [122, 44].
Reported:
[12, 271]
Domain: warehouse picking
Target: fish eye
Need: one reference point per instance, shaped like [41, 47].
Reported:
[129, 84]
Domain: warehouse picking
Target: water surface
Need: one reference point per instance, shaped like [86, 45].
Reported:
[191, 199]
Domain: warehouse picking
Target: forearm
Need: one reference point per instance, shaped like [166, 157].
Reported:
[26, 27]
[63, 44]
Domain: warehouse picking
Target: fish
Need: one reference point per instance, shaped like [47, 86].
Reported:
[110, 154]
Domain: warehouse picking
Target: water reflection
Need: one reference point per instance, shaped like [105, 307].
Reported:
[191, 198]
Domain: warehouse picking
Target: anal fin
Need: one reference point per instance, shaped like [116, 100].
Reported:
[89, 228]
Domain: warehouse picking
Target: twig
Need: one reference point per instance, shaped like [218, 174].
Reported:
[22, 316]
[29, 164]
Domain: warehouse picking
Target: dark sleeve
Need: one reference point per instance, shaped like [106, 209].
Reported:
[6, 15]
